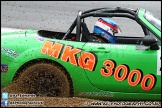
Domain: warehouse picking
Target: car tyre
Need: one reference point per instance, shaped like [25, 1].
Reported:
[45, 79]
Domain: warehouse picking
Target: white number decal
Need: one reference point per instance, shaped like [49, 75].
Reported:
[159, 62]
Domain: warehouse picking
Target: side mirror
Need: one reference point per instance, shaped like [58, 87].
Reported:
[150, 41]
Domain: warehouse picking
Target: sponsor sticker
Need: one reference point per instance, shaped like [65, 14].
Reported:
[4, 67]
[9, 52]
[39, 38]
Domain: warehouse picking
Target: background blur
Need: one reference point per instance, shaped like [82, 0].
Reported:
[59, 15]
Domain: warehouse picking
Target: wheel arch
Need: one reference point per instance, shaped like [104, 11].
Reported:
[31, 62]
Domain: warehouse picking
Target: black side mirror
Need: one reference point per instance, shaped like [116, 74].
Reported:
[150, 41]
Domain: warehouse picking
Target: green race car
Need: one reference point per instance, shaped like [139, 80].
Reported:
[67, 64]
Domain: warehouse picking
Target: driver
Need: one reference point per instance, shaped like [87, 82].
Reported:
[106, 30]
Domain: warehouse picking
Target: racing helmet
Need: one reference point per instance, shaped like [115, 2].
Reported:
[107, 29]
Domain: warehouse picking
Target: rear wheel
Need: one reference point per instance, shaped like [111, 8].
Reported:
[45, 79]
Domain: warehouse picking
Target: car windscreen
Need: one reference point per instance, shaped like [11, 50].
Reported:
[153, 20]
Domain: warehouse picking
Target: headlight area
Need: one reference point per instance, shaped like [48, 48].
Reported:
[8, 70]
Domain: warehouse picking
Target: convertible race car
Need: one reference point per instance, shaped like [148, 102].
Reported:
[51, 63]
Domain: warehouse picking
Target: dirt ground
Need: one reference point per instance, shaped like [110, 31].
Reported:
[46, 101]
[58, 101]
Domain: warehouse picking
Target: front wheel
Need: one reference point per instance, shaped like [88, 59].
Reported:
[45, 79]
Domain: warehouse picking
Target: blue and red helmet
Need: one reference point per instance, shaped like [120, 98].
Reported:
[107, 29]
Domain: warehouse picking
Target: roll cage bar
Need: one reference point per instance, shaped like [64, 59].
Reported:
[101, 12]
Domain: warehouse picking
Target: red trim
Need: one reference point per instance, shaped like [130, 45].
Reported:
[115, 28]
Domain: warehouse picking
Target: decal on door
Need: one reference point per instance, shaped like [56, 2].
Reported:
[159, 62]
[68, 53]
[88, 61]
[111, 69]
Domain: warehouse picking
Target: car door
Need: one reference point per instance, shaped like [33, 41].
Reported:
[124, 68]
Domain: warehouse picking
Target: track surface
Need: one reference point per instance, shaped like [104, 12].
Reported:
[59, 15]
[72, 101]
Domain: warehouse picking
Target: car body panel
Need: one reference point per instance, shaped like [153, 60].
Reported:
[150, 26]
[126, 55]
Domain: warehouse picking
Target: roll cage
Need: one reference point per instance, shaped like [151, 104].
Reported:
[102, 12]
